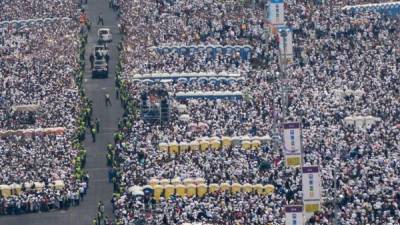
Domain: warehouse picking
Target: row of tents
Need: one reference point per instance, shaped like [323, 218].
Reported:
[17, 189]
[214, 143]
[192, 190]
[212, 80]
[32, 22]
[184, 75]
[30, 132]
[361, 122]
[243, 50]
[388, 8]
[209, 95]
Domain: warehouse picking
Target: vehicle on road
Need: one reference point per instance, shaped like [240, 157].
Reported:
[100, 69]
[104, 35]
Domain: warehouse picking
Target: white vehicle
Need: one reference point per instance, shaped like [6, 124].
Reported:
[104, 35]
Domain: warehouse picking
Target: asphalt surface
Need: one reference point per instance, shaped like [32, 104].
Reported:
[99, 187]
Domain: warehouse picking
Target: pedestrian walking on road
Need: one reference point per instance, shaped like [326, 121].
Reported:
[100, 20]
[91, 58]
[108, 100]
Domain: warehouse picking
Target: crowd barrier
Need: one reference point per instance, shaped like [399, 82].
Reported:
[18, 189]
[195, 187]
[243, 50]
[214, 143]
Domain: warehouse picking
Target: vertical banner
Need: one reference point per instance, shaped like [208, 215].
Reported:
[286, 43]
[311, 190]
[294, 215]
[292, 144]
[276, 12]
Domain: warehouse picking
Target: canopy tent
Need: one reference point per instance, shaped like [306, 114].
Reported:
[29, 132]
[243, 50]
[361, 122]
[210, 95]
[25, 108]
[136, 191]
[32, 22]
[176, 76]
[388, 8]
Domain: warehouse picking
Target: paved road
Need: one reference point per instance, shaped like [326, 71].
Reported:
[99, 188]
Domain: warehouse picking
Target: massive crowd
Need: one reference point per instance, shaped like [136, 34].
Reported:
[39, 69]
[333, 50]
[34, 9]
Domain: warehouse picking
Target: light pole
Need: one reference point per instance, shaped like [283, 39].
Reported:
[283, 79]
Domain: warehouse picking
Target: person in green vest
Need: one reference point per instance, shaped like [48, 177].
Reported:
[97, 122]
[93, 131]
[109, 159]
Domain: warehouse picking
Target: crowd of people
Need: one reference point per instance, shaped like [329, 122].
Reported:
[36, 9]
[333, 50]
[40, 69]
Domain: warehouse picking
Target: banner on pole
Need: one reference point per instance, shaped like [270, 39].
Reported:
[311, 183]
[287, 41]
[294, 215]
[292, 143]
[276, 12]
[311, 190]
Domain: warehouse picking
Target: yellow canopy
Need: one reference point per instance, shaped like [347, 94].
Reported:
[153, 181]
[225, 186]
[5, 190]
[164, 182]
[226, 141]
[16, 188]
[215, 144]
[199, 180]
[246, 145]
[191, 190]
[201, 189]
[176, 181]
[256, 144]
[194, 145]
[269, 189]
[28, 185]
[235, 187]
[258, 188]
[180, 190]
[168, 190]
[204, 145]
[39, 186]
[247, 187]
[213, 188]
[173, 147]
[183, 146]
[59, 184]
[163, 146]
[158, 189]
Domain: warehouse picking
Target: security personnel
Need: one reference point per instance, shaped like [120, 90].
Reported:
[97, 122]
[100, 20]
[107, 99]
[91, 58]
[93, 131]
